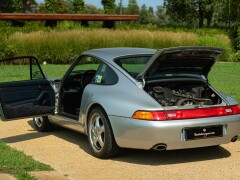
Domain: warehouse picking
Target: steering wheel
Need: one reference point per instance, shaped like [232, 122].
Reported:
[87, 77]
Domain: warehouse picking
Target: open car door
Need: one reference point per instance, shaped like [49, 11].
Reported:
[24, 89]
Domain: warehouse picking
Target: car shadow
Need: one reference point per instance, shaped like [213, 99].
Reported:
[144, 157]
[147, 157]
[62, 133]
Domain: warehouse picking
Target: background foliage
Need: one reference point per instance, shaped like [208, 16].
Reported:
[213, 23]
[58, 47]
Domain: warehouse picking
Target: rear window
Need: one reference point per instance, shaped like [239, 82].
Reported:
[133, 65]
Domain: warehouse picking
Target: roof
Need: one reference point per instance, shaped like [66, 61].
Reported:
[108, 54]
[69, 17]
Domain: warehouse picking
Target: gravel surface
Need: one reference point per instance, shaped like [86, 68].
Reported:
[69, 154]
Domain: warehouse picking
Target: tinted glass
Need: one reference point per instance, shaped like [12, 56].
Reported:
[105, 75]
[133, 65]
[86, 63]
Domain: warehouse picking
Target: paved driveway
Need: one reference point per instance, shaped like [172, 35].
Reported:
[69, 154]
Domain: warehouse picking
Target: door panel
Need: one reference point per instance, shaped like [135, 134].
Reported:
[26, 98]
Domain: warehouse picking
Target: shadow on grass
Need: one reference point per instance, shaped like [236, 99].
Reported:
[130, 155]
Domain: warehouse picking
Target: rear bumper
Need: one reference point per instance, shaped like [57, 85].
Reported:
[140, 134]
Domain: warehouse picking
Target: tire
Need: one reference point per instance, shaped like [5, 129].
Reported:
[100, 135]
[42, 124]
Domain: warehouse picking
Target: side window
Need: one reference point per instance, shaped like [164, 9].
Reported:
[19, 69]
[82, 73]
[36, 72]
[133, 65]
[86, 63]
[105, 75]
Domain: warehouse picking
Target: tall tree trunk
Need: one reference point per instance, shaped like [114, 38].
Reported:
[209, 22]
[200, 14]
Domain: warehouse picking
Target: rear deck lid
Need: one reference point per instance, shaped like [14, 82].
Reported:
[181, 60]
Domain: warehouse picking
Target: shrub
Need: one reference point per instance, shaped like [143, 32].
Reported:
[220, 41]
[235, 57]
[58, 47]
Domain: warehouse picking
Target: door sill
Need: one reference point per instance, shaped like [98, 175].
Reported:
[74, 118]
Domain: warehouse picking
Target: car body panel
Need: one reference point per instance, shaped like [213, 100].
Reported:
[182, 60]
[26, 98]
[112, 100]
[141, 134]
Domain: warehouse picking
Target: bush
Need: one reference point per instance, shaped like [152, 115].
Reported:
[58, 47]
[220, 41]
[235, 57]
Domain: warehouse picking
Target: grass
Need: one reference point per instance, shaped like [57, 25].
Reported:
[62, 47]
[226, 77]
[18, 164]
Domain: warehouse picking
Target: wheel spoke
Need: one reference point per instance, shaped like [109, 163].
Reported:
[100, 141]
[101, 130]
[97, 125]
[95, 140]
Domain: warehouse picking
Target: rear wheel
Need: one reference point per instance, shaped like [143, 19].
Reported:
[42, 124]
[100, 135]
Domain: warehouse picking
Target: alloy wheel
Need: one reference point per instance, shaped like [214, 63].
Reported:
[97, 132]
[38, 121]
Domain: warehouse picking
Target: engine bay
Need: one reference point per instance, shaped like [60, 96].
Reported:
[182, 93]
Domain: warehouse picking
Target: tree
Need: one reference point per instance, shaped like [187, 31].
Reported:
[91, 9]
[108, 6]
[190, 10]
[56, 7]
[161, 15]
[120, 9]
[144, 14]
[6, 6]
[133, 7]
[79, 6]
[181, 11]
[151, 16]
[28, 5]
[17, 6]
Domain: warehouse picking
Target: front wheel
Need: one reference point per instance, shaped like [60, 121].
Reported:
[100, 135]
[42, 124]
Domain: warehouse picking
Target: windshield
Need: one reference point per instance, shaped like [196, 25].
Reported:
[133, 65]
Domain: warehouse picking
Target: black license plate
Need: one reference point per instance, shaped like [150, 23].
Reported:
[203, 132]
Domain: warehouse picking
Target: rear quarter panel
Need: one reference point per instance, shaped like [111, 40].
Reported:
[121, 99]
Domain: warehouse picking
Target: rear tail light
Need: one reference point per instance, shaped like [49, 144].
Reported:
[187, 113]
[146, 115]
[236, 109]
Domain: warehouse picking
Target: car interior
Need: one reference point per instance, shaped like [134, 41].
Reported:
[88, 70]
[73, 86]
[72, 90]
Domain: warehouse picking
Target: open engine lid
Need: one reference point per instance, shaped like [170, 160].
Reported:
[181, 60]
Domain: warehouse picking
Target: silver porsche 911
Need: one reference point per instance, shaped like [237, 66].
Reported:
[128, 98]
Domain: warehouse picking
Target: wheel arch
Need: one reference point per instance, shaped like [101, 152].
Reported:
[90, 108]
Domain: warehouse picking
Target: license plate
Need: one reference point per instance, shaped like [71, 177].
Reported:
[202, 132]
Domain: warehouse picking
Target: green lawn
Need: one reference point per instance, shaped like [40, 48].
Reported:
[18, 164]
[226, 77]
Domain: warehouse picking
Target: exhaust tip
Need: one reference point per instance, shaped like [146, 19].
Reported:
[234, 139]
[160, 147]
